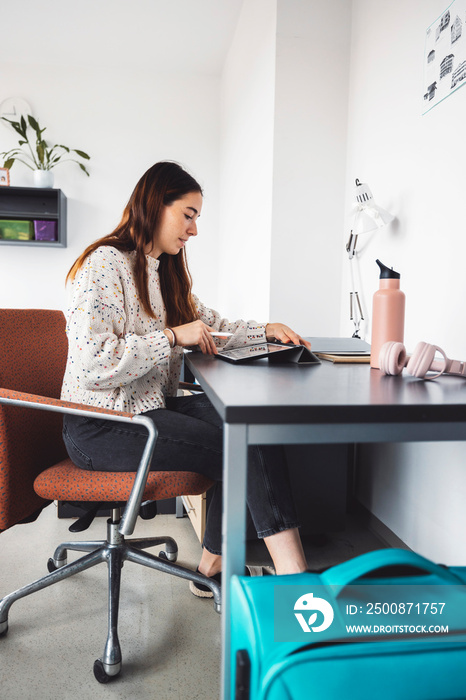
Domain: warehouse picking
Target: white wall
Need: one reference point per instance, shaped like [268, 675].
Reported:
[247, 103]
[414, 165]
[126, 120]
[284, 120]
[311, 109]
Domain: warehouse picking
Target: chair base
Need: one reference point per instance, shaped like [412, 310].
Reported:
[114, 551]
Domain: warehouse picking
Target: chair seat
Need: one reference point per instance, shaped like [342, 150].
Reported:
[67, 482]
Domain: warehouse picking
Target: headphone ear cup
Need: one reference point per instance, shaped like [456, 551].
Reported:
[421, 360]
[392, 358]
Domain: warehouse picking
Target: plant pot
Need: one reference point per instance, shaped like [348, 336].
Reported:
[43, 178]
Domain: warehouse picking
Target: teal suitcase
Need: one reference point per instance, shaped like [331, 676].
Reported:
[389, 624]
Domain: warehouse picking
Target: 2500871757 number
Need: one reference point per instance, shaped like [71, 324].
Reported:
[404, 608]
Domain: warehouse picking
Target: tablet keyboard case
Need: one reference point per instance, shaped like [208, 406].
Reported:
[296, 353]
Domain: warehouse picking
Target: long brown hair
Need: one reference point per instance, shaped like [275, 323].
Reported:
[160, 186]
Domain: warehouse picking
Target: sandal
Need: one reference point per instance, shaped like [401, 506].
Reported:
[201, 591]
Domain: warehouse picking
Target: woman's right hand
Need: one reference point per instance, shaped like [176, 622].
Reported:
[195, 333]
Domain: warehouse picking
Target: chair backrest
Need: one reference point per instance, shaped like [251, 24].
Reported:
[33, 349]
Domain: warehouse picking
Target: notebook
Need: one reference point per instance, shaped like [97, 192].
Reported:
[348, 350]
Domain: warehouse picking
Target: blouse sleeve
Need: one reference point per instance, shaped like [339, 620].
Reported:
[244, 332]
[105, 356]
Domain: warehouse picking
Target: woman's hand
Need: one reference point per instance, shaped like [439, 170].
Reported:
[195, 333]
[284, 334]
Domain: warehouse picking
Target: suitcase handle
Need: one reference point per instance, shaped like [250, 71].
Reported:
[343, 574]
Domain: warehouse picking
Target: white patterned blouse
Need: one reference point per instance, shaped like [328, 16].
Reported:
[118, 356]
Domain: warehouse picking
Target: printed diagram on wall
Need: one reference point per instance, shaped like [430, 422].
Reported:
[445, 55]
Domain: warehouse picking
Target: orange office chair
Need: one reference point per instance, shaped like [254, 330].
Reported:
[35, 469]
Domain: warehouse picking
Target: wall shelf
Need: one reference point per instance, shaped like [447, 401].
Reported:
[33, 203]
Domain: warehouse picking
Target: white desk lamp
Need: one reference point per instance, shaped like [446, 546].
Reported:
[367, 217]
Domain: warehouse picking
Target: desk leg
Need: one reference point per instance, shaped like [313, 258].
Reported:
[235, 462]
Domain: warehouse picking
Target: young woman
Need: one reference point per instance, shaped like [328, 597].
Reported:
[131, 314]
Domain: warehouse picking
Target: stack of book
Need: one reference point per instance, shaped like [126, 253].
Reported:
[347, 350]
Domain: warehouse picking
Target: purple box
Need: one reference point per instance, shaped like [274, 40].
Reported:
[45, 230]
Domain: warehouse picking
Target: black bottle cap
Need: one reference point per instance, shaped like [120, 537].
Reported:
[387, 272]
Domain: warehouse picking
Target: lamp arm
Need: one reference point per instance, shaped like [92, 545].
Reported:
[353, 238]
[351, 245]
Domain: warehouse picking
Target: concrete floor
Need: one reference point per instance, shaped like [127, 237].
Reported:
[170, 640]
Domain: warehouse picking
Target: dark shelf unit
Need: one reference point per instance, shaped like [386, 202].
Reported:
[29, 203]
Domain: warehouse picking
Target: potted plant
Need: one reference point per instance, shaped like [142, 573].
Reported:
[39, 157]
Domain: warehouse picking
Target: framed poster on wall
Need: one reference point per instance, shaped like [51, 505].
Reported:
[445, 55]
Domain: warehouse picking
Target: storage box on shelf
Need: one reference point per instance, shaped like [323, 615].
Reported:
[31, 216]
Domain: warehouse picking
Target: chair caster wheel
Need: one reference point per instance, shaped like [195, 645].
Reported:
[53, 566]
[100, 673]
[168, 556]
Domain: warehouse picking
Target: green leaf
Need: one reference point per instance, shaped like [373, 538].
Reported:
[17, 127]
[24, 126]
[82, 154]
[65, 148]
[33, 123]
[82, 168]
[8, 163]
[40, 152]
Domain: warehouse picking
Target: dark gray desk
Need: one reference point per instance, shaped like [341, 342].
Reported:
[287, 404]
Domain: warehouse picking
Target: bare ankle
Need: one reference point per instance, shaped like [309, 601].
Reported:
[287, 553]
[290, 569]
[209, 572]
[210, 564]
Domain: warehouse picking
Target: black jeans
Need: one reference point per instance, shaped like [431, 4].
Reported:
[190, 438]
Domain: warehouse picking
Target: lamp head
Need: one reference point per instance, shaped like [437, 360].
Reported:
[367, 216]
[363, 194]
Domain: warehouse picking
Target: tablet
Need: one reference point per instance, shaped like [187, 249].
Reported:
[273, 351]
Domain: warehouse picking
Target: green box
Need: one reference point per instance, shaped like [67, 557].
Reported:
[15, 230]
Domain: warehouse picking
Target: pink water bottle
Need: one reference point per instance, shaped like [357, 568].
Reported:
[388, 312]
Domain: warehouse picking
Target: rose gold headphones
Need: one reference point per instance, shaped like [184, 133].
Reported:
[393, 359]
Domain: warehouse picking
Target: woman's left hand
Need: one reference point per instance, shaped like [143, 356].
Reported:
[284, 334]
